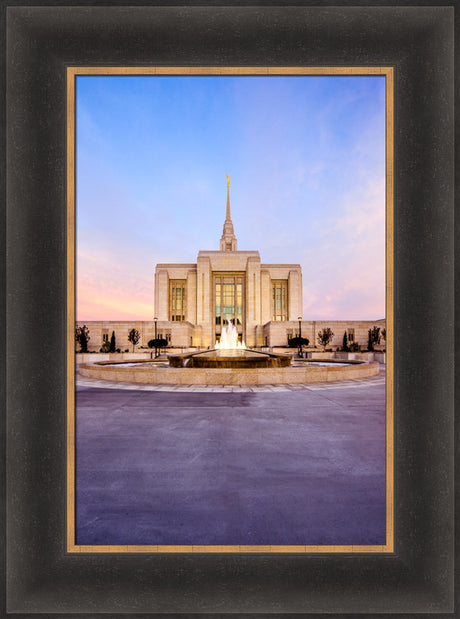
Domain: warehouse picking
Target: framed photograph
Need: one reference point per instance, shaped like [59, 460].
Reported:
[115, 487]
[270, 483]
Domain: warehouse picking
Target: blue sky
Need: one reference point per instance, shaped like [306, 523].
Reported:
[306, 158]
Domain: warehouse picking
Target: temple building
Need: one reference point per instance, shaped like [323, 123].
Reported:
[194, 301]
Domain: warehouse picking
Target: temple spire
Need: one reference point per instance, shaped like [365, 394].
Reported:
[228, 214]
[228, 239]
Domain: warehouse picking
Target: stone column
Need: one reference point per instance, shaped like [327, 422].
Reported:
[294, 295]
[204, 299]
[253, 305]
[191, 297]
[265, 297]
[161, 294]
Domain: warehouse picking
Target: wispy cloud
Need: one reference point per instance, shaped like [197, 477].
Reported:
[306, 161]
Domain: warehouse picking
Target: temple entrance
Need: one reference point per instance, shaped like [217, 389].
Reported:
[229, 301]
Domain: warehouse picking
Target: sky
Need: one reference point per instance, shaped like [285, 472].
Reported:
[306, 159]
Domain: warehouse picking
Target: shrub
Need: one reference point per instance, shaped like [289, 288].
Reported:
[295, 342]
[106, 347]
[160, 342]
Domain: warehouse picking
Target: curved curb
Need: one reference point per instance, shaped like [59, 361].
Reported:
[227, 376]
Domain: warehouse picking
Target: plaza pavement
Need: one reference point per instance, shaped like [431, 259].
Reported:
[291, 464]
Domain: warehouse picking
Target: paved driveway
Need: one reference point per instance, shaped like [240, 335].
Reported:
[301, 466]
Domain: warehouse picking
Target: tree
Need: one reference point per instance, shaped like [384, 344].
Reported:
[325, 336]
[82, 337]
[373, 337]
[134, 337]
[370, 343]
[376, 335]
[383, 333]
[112, 342]
[345, 346]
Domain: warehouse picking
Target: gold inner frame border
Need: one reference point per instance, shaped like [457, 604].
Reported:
[388, 72]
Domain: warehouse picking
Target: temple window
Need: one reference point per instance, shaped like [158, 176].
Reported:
[177, 300]
[279, 300]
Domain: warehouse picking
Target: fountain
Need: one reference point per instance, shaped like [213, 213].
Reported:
[230, 363]
[230, 353]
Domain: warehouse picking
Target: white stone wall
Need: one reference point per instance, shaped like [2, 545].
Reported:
[187, 334]
[182, 333]
[276, 332]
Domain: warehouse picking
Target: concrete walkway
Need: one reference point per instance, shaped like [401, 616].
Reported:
[289, 465]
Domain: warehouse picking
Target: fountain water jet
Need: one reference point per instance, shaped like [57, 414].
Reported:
[229, 339]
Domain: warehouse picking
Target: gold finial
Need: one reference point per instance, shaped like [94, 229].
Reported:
[228, 180]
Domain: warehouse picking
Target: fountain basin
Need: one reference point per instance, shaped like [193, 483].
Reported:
[230, 358]
[164, 375]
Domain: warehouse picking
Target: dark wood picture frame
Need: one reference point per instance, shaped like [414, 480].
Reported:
[41, 42]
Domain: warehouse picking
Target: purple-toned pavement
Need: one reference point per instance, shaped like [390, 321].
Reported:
[175, 467]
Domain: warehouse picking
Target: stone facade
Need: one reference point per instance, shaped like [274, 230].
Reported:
[194, 301]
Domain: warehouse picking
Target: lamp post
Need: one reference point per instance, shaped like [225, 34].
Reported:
[300, 335]
[155, 320]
